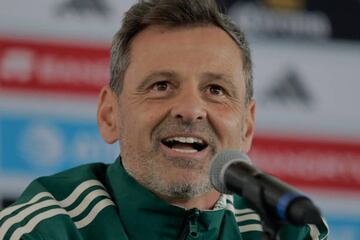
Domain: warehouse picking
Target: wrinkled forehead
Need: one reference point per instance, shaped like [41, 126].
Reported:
[192, 52]
[163, 41]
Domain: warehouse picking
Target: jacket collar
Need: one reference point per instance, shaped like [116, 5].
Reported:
[145, 216]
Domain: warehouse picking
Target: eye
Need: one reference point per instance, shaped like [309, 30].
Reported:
[161, 86]
[216, 90]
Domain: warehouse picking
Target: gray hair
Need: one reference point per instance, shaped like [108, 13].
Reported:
[173, 13]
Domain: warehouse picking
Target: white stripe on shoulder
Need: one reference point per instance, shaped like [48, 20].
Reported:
[251, 228]
[86, 201]
[9, 210]
[230, 198]
[33, 206]
[35, 221]
[78, 191]
[93, 213]
[230, 204]
[314, 232]
[252, 216]
[23, 214]
[230, 208]
[244, 211]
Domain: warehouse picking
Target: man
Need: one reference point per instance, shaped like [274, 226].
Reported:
[180, 92]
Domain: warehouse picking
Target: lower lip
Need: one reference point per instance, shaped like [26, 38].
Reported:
[194, 155]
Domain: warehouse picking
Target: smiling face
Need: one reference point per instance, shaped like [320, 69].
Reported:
[183, 101]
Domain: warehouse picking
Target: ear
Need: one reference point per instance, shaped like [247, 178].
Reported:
[249, 126]
[107, 115]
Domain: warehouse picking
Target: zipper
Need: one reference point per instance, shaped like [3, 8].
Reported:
[193, 224]
[190, 228]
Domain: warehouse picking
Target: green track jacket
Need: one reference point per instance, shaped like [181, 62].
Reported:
[99, 201]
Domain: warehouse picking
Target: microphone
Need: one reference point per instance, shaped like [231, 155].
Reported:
[231, 172]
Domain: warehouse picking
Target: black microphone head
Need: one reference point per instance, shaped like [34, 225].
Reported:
[220, 163]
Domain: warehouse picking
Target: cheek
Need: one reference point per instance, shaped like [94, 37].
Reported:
[140, 120]
[228, 123]
[232, 126]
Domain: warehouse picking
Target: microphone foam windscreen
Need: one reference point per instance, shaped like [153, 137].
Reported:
[220, 163]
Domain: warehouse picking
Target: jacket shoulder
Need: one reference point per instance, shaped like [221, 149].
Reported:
[57, 205]
[250, 225]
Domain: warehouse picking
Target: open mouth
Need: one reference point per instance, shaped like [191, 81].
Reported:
[185, 144]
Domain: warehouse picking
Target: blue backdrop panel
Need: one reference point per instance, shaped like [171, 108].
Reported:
[38, 145]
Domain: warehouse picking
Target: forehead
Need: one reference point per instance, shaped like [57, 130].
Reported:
[184, 50]
[183, 37]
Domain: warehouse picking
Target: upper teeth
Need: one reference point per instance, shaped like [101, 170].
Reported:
[186, 140]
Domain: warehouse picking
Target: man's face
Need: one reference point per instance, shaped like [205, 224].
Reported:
[183, 101]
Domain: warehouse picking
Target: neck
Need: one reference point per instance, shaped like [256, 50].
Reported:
[203, 202]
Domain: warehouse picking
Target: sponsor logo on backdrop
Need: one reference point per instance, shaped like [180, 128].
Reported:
[83, 7]
[17, 63]
[58, 67]
[43, 144]
[285, 4]
[287, 89]
[309, 163]
[265, 19]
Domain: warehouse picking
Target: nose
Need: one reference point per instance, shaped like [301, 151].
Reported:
[189, 107]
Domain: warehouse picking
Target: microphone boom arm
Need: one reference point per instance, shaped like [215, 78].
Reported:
[262, 191]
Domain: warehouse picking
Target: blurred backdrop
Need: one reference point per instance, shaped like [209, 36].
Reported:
[54, 57]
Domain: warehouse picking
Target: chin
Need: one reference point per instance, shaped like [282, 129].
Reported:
[185, 174]
[186, 190]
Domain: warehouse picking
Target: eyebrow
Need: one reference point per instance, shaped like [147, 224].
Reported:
[211, 76]
[156, 75]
